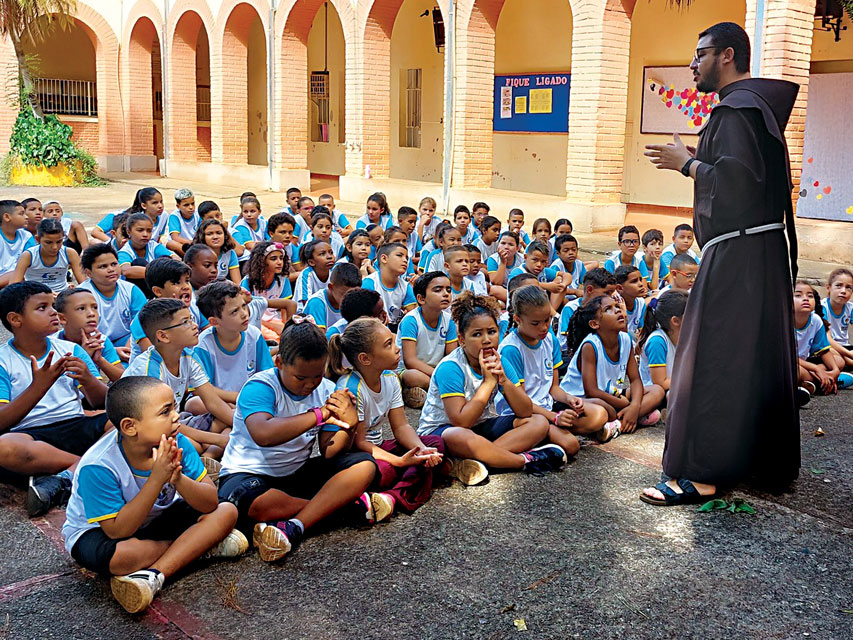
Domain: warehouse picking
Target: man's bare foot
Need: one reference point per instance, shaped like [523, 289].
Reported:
[674, 492]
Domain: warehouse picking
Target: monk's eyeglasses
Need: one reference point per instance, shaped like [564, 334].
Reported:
[696, 58]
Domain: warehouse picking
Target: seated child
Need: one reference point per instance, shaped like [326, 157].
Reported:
[388, 280]
[488, 241]
[407, 220]
[478, 213]
[566, 248]
[203, 265]
[34, 214]
[406, 463]
[659, 338]
[209, 210]
[515, 223]
[267, 471]
[141, 508]
[302, 215]
[460, 402]
[376, 212]
[629, 244]
[427, 220]
[597, 282]
[515, 283]
[230, 350]
[266, 276]
[446, 236]
[118, 300]
[75, 232]
[457, 266]
[503, 262]
[462, 220]
[42, 382]
[213, 234]
[477, 274]
[78, 313]
[603, 368]
[119, 232]
[341, 223]
[321, 229]
[631, 289]
[837, 309]
[682, 273]
[652, 249]
[170, 327]
[542, 232]
[166, 278]
[530, 355]
[359, 251]
[563, 227]
[324, 306]
[183, 222]
[16, 238]
[396, 234]
[293, 195]
[251, 228]
[536, 263]
[139, 250]
[49, 261]
[682, 240]
[377, 236]
[817, 368]
[317, 259]
[358, 303]
[280, 229]
[426, 334]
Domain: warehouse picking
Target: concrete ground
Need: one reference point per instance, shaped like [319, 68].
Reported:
[573, 554]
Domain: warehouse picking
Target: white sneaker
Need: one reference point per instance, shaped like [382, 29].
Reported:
[383, 506]
[135, 591]
[468, 471]
[233, 545]
[272, 543]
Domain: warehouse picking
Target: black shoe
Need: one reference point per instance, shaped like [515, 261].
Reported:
[549, 457]
[803, 396]
[46, 492]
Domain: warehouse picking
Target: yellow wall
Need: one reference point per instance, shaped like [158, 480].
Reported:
[257, 99]
[328, 157]
[413, 47]
[532, 38]
[67, 54]
[662, 35]
[829, 56]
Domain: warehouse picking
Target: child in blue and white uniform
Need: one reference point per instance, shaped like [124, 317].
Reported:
[376, 212]
[659, 338]
[15, 239]
[477, 271]
[251, 228]
[838, 309]
[566, 247]
[318, 260]
[504, 262]
[388, 281]
[183, 222]
[49, 261]
[325, 305]
[462, 220]
[818, 369]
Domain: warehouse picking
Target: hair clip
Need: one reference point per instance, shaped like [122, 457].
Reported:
[274, 246]
[299, 319]
[653, 303]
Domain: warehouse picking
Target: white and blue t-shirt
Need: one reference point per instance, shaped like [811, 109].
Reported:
[668, 254]
[226, 261]
[116, 312]
[658, 351]
[229, 370]
[53, 275]
[61, 402]
[265, 393]
[453, 377]
[385, 221]
[307, 284]
[414, 245]
[396, 298]
[615, 261]
[839, 325]
[279, 289]
[531, 366]
[811, 338]
[373, 406]
[106, 223]
[577, 274]
[566, 314]
[186, 228]
[108, 351]
[322, 310]
[479, 285]
[137, 334]
[494, 261]
[127, 254]
[432, 260]
[191, 374]
[431, 342]
[486, 250]
[611, 376]
[467, 285]
[335, 241]
[11, 250]
[471, 235]
[336, 328]
[636, 318]
[547, 275]
[104, 482]
[243, 233]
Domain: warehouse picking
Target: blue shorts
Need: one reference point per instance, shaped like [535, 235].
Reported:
[490, 429]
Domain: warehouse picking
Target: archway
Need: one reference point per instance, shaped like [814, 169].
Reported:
[524, 158]
[145, 106]
[417, 95]
[189, 108]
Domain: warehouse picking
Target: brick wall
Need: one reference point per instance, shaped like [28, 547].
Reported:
[86, 134]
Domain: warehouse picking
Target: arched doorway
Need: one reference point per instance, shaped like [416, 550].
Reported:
[189, 103]
[145, 106]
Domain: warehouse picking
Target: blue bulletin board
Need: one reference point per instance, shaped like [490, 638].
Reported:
[537, 102]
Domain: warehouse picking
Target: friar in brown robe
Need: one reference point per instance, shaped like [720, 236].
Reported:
[732, 412]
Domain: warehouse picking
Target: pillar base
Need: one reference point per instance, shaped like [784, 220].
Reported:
[237, 175]
[125, 163]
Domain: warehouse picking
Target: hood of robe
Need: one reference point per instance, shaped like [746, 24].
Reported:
[779, 95]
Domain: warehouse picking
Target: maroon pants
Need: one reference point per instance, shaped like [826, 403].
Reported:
[409, 486]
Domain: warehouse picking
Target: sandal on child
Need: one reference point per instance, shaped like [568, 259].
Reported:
[673, 499]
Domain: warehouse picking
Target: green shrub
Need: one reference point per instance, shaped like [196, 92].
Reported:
[48, 142]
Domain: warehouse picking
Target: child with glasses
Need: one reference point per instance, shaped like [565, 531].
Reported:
[629, 244]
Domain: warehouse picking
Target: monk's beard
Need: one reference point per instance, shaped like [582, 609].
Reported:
[709, 80]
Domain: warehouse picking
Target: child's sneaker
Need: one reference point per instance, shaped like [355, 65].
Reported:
[46, 492]
[275, 540]
[414, 397]
[549, 457]
[649, 419]
[469, 472]
[845, 380]
[136, 591]
[363, 509]
[383, 506]
[235, 544]
[609, 431]
[803, 396]
[213, 467]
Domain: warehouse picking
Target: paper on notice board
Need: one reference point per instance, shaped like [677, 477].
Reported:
[540, 101]
[506, 102]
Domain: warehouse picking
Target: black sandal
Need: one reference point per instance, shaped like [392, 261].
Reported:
[672, 498]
